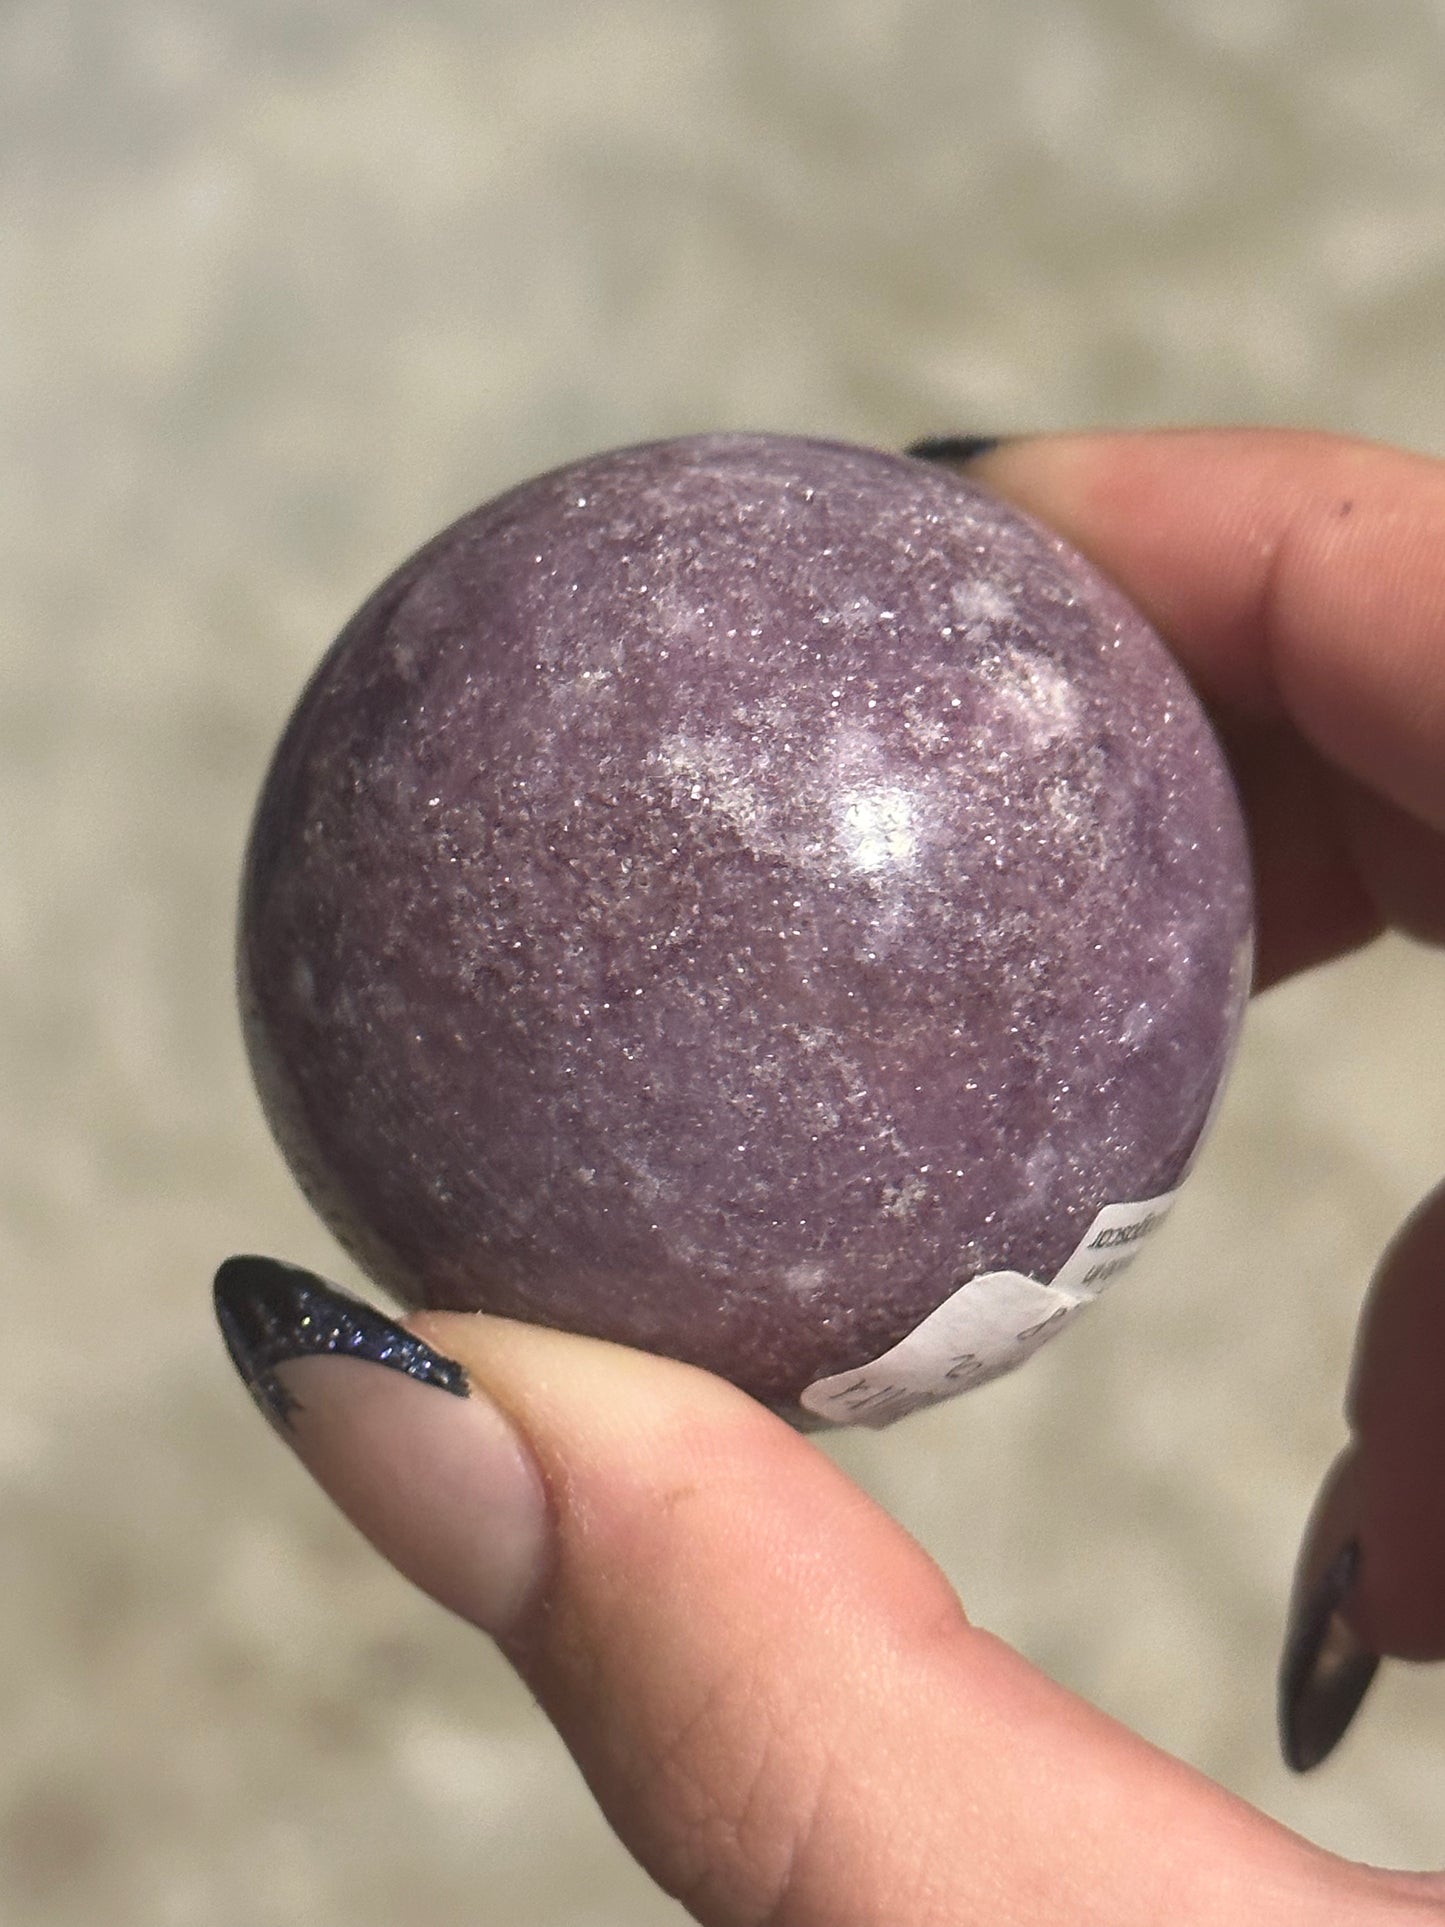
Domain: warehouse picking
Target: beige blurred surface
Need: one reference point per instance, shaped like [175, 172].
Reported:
[282, 288]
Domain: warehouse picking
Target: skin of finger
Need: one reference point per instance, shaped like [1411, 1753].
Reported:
[1402, 859]
[1396, 1483]
[783, 1711]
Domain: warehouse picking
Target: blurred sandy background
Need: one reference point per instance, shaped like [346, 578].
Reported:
[283, 287]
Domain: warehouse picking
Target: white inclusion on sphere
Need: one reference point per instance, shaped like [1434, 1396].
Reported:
[1040, 695]
[1041, 1170]
[807, 1279]
[1136, 1026]
[877, 829]
[979, 608]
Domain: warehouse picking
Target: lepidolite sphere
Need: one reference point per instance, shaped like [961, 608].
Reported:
[723, 895]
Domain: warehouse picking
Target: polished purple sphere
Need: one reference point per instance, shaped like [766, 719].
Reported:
[723, 895]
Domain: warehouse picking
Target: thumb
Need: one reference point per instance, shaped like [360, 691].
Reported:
[770, 1688]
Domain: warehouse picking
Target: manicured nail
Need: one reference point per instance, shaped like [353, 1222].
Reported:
[1326, 1669]
[952, 448]
[271, 1314]
[422, 1463]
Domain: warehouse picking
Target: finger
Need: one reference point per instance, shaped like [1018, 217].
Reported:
[770, 1688]
[1299, 578]
[1398, 1416]
[1371, 1579]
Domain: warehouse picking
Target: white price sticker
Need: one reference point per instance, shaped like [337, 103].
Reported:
[988, 1326]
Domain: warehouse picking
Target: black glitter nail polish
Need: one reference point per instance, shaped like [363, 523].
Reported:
[1326, 1669]
[952, 448]
[270, 1312]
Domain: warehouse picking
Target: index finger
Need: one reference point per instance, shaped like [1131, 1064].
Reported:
[1300, 578]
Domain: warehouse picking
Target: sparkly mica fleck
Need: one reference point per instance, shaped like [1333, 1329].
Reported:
[723, 895]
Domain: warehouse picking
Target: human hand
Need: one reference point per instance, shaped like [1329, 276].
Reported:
[1299, 580]
[771, 1689]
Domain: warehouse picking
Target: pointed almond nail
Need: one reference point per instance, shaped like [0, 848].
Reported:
[957, 449]
[423, 1464]
[1326, 1669]
[270, 1313]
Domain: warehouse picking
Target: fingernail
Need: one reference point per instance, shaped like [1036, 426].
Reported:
[1326, 1669]
[395, 1433]
[952, 448]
